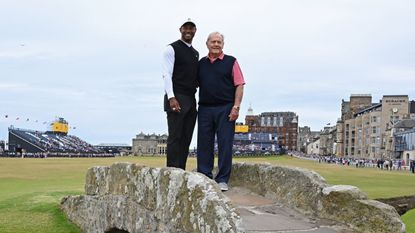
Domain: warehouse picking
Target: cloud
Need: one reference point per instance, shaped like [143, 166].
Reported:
[97, 63]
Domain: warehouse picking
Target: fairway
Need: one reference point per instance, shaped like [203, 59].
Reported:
[30, 189]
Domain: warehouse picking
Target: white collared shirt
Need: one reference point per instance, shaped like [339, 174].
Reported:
[167, 69]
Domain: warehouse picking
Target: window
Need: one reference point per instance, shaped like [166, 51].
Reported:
[394, 119]
[374, 119]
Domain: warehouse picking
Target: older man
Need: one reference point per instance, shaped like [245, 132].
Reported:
[180, 73]
[221, 86]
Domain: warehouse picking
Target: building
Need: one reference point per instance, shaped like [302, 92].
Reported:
[313, 148]
[146, 144]
[328, 143]
[404, 140]
[412, 109]
[283, 124]
[2, 146]
[348, 109]
[365, 128]
[305, 137]
[405, 145]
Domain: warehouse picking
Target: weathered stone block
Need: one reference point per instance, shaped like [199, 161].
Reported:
[141, 199]
[309, 193]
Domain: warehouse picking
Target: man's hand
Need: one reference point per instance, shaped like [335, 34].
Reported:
[174, 104]
[234, 113]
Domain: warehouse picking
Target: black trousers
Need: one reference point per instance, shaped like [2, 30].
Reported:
[180, 126]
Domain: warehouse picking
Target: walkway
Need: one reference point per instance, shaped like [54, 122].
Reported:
[260, 214]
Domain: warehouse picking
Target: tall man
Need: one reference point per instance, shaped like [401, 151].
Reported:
[180, 61]
[221, 86]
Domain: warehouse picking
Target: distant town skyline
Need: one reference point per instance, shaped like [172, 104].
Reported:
[98, 64]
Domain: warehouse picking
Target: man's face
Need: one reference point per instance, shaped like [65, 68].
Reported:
[215, 44]
[188, 32]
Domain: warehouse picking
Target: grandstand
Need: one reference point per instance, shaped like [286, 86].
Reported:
[31, 141]
[118, 148]
[56, 141]
[256, 142]
[246, 142]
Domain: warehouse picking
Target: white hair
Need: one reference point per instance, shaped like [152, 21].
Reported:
[216, 33]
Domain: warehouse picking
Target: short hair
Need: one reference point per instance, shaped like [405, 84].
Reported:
[216, 33]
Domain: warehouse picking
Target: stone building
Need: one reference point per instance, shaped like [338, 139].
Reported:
[305, 137]
[364, 129]
[328, 141]
[313, 148]
[146, 144]
[284, 124]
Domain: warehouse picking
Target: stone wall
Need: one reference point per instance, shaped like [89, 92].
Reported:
[135, 198]
[309, 193]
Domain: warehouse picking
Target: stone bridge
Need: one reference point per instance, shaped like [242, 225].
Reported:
[132, 198]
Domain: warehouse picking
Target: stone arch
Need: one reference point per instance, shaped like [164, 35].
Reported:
[116, 230]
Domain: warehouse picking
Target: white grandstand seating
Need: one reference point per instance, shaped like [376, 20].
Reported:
[55, 142]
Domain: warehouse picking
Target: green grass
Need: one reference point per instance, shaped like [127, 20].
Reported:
[409, 219]
[31, 189]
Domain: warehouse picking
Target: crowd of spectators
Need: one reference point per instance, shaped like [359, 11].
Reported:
[57, 145]
[383, 164]
[55, 155]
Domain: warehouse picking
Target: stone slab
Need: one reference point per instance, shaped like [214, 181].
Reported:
[261, 214]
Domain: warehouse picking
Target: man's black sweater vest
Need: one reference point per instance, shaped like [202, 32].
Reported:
[185, 69]
[216, 81]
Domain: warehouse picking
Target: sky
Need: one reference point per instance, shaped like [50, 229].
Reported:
[97, 63]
